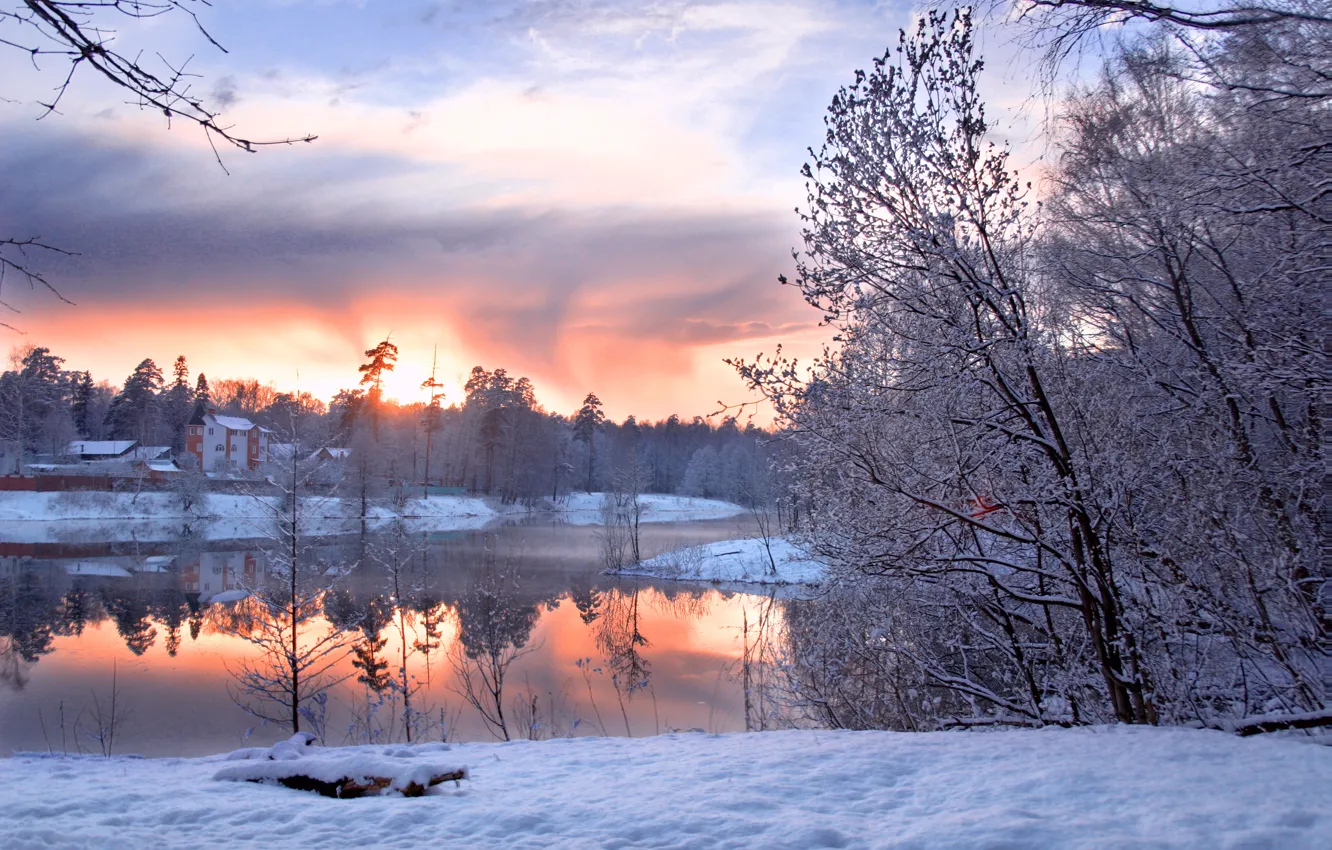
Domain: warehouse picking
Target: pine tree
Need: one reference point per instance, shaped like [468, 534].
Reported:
[382, 358]
[587, 421]
[178, 403]
[82, 396]
[134, 411]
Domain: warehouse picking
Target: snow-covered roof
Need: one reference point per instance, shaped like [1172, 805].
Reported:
[162, 466]
[234, 423]
[148, 452]
[100, 447]
[335, 452]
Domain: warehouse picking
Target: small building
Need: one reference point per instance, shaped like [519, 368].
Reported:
[114, 451]
[332, 453]
[159, 470]
[94, 450]
[225, 443]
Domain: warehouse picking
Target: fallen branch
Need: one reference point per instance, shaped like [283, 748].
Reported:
[1278, 723]
[366, 786]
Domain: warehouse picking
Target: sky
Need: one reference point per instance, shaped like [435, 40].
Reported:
[597, 195]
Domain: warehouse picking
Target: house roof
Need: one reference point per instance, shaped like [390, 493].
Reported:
[112, 448]
[335, 452]
[148, 452]
[234, 423]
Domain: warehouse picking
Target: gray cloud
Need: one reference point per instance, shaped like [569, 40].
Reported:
[513, 280]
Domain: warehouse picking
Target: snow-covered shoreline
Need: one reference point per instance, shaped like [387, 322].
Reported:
[1089, 787]
[41, 517]
[585, 508]
[749, 560]
[38, 517]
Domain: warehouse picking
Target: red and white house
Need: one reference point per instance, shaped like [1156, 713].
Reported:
[225, 443]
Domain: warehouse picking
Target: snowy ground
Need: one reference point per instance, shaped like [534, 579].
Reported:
[1107, 787]
[743, 561]
[49, 517]
[585, 508]
[44, 517]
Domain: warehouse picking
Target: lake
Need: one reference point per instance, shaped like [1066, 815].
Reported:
[575, 652]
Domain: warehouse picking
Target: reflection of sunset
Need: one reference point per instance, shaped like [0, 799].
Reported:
[184, 703]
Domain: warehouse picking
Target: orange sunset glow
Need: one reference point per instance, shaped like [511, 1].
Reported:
[595, 226]
[648, 369]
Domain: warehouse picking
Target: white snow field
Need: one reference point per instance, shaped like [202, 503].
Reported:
[585, 508]
[1057, 788]
[743, 561]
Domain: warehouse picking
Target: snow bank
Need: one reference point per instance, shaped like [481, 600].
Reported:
[744, 561]
[1056, 788]
[447, 506]
[44, 507]
[49, 517]
[45, 517]
[585, 508]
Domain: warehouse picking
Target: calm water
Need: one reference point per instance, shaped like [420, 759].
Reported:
[582, 653]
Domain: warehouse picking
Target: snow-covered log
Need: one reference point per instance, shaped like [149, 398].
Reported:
[343, 773]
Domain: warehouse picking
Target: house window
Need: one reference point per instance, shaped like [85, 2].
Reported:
[210, 432]
[221, 448]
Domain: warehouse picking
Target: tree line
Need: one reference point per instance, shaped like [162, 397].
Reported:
[496, 440]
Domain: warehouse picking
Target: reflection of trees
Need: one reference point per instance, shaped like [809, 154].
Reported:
[171, 608]
[587, 599]
[28, 612]
[620, 638]
[13, 669]
[75, 608]
[129, 610]
[759, 632]
[431, 613]
[367, 653]
[494, 626]
[197, 611]
[681, 602]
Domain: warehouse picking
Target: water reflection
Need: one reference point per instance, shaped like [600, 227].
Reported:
[467, 635]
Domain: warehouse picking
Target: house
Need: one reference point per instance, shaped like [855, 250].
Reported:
[332, 453]
[224, 443]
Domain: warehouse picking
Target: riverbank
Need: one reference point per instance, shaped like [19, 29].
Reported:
[29, 517]
[1088, 787]
[749, 560]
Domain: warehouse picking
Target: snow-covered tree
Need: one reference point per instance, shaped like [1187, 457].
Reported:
[1068, 455]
